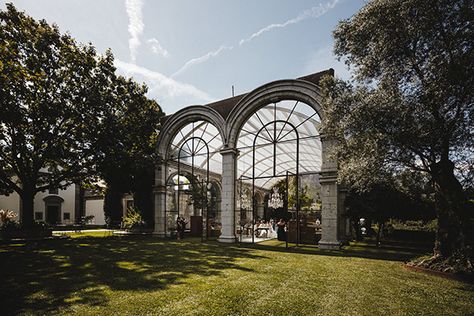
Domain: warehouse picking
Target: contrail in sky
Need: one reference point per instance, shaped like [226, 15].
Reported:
[314, 12]
[201, 59]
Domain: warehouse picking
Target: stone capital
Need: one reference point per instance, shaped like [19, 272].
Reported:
[327, 176]
[159, 189]
[229, 151]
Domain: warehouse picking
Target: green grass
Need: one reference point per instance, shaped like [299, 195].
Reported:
[143, 275]
[85, 234]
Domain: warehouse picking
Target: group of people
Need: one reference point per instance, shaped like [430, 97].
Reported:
[266, 229]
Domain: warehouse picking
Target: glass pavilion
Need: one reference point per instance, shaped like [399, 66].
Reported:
[229, 165]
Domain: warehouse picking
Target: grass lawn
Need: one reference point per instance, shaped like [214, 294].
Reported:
[143, 275]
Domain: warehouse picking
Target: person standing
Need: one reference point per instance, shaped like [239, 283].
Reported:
[281, 235]
[180, 226]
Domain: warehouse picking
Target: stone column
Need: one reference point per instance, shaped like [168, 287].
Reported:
[159, 196]
[329, 196]
[229, 163]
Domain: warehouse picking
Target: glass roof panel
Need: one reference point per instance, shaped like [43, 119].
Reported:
[272, 130]
[196, 144]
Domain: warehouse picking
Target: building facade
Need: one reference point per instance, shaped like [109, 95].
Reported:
[55, 206]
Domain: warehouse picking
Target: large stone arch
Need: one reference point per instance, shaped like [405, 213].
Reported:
[308, 93]
[171, 126]
[229, 116]
[276, 91]
[190, 114]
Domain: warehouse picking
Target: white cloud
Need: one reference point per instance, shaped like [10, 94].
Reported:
[201, 59]
[162, 86]
[157, 48]
[135, 25]
[313, 12]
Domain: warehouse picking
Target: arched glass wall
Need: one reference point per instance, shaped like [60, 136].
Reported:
[277, 172]
[193, 180]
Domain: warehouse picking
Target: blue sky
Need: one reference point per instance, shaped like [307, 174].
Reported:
[192, 52]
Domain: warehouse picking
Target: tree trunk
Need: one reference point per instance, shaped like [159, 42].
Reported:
[450, 209]
[27, 208]
[113, 209]
[358, 233]
[379, 233]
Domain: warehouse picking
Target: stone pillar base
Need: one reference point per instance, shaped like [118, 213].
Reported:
[329, 245]
[227, 239]
[158, 234]
[345, 241]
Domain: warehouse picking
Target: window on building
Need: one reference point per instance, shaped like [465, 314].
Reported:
[66, 216]
[38, 216]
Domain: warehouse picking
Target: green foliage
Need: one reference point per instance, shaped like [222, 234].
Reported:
[6, 216]
[51, 100]
[410, 108]
[49, 104]
[417, 225]
[66, 115]
[305, 200]
[418, 106]
[113, 205]
[10, 226]
[460, 263]
[14, 229]
[132, 219]
[382, 202]
[125, 150]
[199, 195]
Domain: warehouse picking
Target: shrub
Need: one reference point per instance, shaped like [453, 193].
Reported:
[133, 219]
[6, 216]
[84, 220]
[13, 229]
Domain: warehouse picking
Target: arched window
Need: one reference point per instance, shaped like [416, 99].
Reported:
[279, 154]
[194, 162]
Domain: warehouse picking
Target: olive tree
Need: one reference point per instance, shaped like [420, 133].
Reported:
[410, 105]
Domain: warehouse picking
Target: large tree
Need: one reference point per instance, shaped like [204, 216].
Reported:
[410, 106]
[50, 104]
[385, 201]
[126, 148]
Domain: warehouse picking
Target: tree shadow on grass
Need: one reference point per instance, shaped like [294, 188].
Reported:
[391, 252]
[46, 276]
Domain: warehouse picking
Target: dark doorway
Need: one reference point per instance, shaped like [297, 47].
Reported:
[52, 214]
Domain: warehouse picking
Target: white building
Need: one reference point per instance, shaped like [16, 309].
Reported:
[64, 207]
[52, 206]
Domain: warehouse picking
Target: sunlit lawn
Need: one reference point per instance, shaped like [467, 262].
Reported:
[144, 275]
